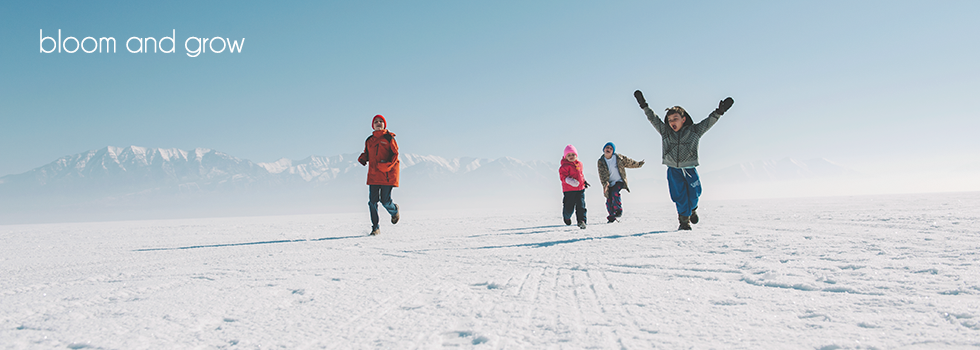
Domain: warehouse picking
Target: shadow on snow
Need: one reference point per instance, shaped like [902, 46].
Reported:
[567, 241]
[246, 244]
[522, 231]
[530, 228]
[531, 245]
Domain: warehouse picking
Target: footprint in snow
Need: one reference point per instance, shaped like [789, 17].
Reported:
[460, 338]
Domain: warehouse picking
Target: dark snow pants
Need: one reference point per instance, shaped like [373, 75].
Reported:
[685, 188]
[380, 193]
[614, 201]
[574, 201]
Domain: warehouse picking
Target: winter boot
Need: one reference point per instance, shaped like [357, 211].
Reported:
[685, 222]
[694, 216]
[568, 222]
[375, 232]
[396, 216]
[611, 219]
[581, 225]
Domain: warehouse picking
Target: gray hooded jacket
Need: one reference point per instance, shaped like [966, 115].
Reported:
[681, 147]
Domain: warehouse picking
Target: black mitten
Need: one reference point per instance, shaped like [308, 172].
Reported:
[639, 99]
[724, 105]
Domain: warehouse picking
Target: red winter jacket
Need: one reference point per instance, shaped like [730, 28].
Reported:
[572, 170]
[381, 151]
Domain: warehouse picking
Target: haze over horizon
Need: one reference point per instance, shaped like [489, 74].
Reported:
[885, 88]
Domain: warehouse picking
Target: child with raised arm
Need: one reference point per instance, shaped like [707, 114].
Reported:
[381, 156]
[573, 185]
[680, 154]
[612, 175]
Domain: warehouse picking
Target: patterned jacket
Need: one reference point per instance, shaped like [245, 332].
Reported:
[622, 162]
[681, 147]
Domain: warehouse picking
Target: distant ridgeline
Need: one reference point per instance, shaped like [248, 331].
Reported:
[137, 177]
[109, 182]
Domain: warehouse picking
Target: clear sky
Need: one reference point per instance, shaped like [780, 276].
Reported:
[879, 86]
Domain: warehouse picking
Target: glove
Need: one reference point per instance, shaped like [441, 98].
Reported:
[587, 184]
[642, 162]
[639, 99]
[724, 105]
[571, 181]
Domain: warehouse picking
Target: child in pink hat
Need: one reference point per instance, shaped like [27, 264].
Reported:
[573, 184]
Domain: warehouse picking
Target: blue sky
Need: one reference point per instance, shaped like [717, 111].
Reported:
[880, 86]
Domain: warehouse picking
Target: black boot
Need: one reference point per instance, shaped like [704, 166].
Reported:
[685, 222]
[568, 221]
[694, 216]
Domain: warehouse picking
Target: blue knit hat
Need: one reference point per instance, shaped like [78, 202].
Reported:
[609, 144]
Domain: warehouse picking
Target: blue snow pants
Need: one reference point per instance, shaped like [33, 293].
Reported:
[380, 193]
[685, 188]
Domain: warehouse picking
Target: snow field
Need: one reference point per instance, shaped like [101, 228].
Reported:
[881, 272]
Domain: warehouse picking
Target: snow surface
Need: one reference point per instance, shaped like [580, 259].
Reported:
[881, 272]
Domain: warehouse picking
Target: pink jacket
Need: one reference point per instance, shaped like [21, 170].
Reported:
[572, 170]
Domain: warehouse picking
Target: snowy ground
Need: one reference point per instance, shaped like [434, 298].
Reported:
[884, 272]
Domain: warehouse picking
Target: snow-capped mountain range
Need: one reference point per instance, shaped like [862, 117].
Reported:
[114, 170]
[114, 167]
[113, 182]
[128, 170]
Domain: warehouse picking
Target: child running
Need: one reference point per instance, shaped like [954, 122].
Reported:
[573, 184]
[381, 151]
[680, 153]
[612, 175]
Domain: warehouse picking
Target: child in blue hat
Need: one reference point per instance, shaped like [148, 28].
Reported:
[612, 175]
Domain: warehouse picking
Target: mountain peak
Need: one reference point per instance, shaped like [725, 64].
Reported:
[278, 166]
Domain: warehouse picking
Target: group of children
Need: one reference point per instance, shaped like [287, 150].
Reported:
[612, 174]
[679, 134]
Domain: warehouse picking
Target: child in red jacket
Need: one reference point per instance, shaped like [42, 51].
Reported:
[381, 151]
[573, 184]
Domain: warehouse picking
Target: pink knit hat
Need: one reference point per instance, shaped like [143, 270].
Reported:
[569, 149]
